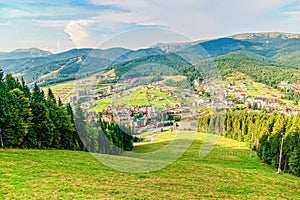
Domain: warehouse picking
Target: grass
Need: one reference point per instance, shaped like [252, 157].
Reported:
[159, 98]
[175, 78]
[101, 105]
[261, 90]
[62, 90]
[70, 88]
[226, 173]
[238, 76]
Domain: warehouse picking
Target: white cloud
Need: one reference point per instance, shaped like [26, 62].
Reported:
[80, 32]
[198, 18]
[8, 13]
[92, 32]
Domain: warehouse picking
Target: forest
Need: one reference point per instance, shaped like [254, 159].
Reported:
[264, 131]
[31, 119]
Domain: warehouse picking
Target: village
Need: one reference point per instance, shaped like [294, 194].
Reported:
[235, 96]
[167, 109]
[151, 107]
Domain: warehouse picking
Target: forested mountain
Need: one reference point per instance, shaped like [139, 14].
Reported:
[171, 61]
[43, 67]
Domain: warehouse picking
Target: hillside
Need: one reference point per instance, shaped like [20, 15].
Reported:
[24, 53]
[40, 66]
[227, 172]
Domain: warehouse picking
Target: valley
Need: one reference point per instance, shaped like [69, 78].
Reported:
[241, 92]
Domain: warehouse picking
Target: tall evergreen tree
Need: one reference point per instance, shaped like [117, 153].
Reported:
[76, 143]
[5, 110]
[20, 121]
[43, 125]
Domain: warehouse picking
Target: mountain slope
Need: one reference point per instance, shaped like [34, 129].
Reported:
[168, 63]
[268, 48]
[64, 70]
[274, 44]
[221, 46]
[24, 53]
[131, 55]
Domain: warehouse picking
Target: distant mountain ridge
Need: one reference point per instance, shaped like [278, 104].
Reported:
[283, 35]
[24, 53]
[37, 65]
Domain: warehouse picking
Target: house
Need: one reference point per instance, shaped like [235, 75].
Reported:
[86, 92]
[145, 87]
[197, 83]
[296, 89]
[203, 101]
[283, 84]
[100, 76]
[139, 122]
[72, 99]
[229, 103]
[243, 97]
[110, 89]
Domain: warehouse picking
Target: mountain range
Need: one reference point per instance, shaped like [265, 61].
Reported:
[46, 68]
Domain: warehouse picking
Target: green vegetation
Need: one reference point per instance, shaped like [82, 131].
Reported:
[264, 131]
[31, 120]
[151, 96]
[162, 64]
[227, 172]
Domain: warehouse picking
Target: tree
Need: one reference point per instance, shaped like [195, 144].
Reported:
[25, 88]
[38, 95]
[42, 125]
[294, 161]
[11, 82]
[5, 111]
[20, 121]
[76, 143]
[50, 96]
[81, 124]
[66, 129]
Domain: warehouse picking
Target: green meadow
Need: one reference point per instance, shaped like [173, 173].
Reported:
[226, 173]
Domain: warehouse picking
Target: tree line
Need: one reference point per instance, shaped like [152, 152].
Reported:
[263, 130]
[31, 119]
[101, 136]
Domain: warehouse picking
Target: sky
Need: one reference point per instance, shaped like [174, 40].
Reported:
[59, 25]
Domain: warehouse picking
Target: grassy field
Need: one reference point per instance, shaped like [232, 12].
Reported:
[226, 173]
[159, 99]
[70, 88]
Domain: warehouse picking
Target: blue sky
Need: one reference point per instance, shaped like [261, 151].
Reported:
[59, 25]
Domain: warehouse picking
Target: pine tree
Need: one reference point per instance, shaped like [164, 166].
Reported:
[25, 88]
[37, 94]
[76, 143]
[294, 162]
[20, 121]
[66, 129]
[43, 125]
[50, 96]
[11, 82]
[5, 111]
[81, 125]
